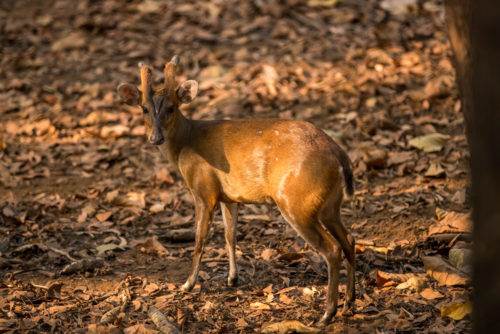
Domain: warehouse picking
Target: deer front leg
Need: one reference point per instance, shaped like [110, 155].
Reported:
[203, 213]
[230, 217]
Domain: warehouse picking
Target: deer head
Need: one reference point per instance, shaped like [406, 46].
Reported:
[160, 106]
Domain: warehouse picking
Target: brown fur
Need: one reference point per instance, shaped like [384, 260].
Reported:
[291, 163]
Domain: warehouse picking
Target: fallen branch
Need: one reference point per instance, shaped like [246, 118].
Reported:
[394, 258]
[449, 237]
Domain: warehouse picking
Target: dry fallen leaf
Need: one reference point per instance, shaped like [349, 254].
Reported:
[103, 216]
[433, 142]
[438, 87]
[451, 222]
[259, 306]
[139, 329]
[58, 309]
[387, 279]
[372, 156]
[461, 258]
[110, 316]
[457, 311]
[87, 211]
[415, 283]
[435, 170]
[157, 207]
[152, 245]
[207, 307]
[110, 196]
[151, 288]
[72, 41]
[430, 294]
[164, 176]
[396, 158]
[131, 199]
[443, 272]
[399, 7]
[284, 299]
[322, 3]
[149, 6]
[8, 211]
[136, 304]
[288, 326]
[114, 131]
[268, 253]
[270, 77]
[462, 222]
[241, 323]
[211, 72]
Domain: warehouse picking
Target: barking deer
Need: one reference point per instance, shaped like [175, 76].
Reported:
[291, 163]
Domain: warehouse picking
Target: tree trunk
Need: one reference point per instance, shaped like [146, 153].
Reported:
[474, 30]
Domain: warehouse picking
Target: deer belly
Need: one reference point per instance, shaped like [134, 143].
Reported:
[244, 191]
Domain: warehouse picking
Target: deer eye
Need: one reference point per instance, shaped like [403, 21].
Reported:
[170, 109]
[144, 109]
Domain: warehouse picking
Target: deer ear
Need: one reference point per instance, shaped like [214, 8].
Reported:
[129, 94]
[187, 91]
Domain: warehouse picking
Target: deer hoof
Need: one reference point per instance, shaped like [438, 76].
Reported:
[232, 281]
[186, 287]
[325, 319]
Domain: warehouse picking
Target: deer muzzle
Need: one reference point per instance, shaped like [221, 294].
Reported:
[156, 137]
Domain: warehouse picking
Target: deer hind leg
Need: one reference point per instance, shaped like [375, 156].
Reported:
[309, 228]
[230, 217]
[330, 218]
[203, 213]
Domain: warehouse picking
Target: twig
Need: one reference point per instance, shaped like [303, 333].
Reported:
[447, 237]
[61, 252]
[393, 258]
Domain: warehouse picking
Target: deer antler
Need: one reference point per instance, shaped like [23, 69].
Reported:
[170, 76]
[146, 81]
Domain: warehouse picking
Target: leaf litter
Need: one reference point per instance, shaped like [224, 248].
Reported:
[89, 212]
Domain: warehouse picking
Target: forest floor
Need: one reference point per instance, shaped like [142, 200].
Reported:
[92, 219]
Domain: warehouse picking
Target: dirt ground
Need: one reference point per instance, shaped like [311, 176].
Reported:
[93, 220]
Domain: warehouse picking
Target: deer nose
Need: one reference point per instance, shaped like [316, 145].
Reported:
[156, 139]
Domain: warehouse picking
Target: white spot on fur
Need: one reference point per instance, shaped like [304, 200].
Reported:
[282, 193]
[256, 171]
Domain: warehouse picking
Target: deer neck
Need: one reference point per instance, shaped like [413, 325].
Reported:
[176, 137]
